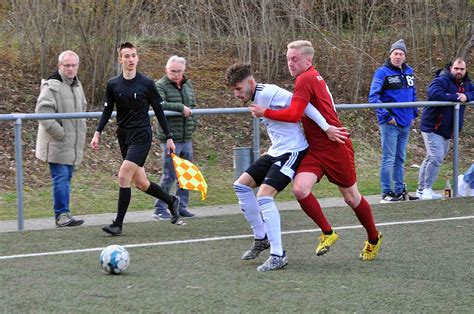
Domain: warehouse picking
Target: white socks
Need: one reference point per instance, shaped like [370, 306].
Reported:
[271, 221]
[249, 206]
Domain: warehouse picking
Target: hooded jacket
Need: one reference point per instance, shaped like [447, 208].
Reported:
[392, 84]
[61, 141]
[439, 120]
[175, 99]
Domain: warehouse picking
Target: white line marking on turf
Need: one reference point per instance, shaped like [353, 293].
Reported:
[229, 237]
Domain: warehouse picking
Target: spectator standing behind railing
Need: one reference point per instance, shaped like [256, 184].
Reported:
[451, 84]
[60, 142]
[178, 95]
[394, 81]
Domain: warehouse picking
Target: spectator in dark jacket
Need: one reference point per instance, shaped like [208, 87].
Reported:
[394, 81]
[178, 95]
[451, 84]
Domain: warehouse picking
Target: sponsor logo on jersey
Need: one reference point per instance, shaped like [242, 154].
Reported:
[394, 79]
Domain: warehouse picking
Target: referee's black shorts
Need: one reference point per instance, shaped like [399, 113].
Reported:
[135, 144]
[276, 171]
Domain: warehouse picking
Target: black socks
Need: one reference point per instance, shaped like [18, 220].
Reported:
[125, 194]
[156, 191]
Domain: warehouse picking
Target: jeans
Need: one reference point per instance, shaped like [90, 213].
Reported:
[394, 141]
[61, 175]
[185, 151]
[437, 148]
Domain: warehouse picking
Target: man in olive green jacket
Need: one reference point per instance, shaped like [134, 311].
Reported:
[60, 142]
[178, 95]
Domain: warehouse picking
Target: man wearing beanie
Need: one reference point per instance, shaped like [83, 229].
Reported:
[394, 81]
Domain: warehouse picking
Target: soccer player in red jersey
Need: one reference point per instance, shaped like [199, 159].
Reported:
[326, 156]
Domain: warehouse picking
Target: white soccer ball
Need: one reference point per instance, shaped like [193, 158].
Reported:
[114, 259]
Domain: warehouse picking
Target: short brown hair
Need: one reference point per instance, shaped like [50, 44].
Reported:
[124, 45]
[237, 72]
[457, 59]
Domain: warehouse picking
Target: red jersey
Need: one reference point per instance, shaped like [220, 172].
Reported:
[310, 87]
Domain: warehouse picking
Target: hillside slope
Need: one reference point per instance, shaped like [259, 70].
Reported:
[217, 134]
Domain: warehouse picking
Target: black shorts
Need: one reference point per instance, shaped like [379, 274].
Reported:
[275, 171]
[135, 144]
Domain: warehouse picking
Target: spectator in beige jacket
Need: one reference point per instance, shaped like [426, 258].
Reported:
[60, 142]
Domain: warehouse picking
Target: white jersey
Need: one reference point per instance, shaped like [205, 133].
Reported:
[286, 137]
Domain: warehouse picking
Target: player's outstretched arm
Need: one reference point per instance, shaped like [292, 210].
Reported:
[334, 133]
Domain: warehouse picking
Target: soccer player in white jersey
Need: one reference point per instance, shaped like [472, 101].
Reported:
[274, 170]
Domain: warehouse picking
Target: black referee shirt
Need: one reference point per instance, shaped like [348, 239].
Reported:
[133, 99]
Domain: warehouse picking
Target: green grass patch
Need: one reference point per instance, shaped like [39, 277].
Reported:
[419, 269]
[96, 192]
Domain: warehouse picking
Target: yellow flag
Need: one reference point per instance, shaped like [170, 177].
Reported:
[189, 176]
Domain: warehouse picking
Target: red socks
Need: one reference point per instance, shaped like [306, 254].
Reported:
[363, 211]
[364, 214]
[311, 207]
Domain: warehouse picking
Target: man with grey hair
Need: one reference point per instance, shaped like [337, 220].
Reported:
[60, 142]
[178, 95]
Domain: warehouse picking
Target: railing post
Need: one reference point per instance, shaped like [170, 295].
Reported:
[19, 173]
[256, 139]
[456, 149]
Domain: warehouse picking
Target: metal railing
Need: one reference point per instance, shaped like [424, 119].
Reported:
[18, 118]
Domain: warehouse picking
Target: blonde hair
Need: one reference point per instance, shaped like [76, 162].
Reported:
[304, 46]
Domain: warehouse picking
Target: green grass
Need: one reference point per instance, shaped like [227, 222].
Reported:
[96, 192]
[423, 267]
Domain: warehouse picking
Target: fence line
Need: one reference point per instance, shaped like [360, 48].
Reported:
[19, 117]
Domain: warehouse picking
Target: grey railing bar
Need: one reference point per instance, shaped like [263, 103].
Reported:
[18, 117]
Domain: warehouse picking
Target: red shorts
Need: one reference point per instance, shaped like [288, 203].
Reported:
[336, 163]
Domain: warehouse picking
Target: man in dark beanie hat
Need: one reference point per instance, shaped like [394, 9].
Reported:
[394, 81]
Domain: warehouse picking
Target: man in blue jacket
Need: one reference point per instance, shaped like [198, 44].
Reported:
[394, 81]
[451, 84]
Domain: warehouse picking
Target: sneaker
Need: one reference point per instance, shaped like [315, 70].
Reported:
[370, 250]
[161, 214]
[114, 229]
[274, 262]
[404, 196]
[391, 198]
[259, 245]
[419, 193]
[325, 242]
[429, 194]
[173, 208]
[185, 213]
[66, 220]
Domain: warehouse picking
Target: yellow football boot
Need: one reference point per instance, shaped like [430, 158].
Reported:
[325, 242]
[370, 250]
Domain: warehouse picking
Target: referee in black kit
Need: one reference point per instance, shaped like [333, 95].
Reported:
[133, 93]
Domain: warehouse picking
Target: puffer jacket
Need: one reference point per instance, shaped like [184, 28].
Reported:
[174, 100]
[439, 120]
[61, 141]
[392, 84]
